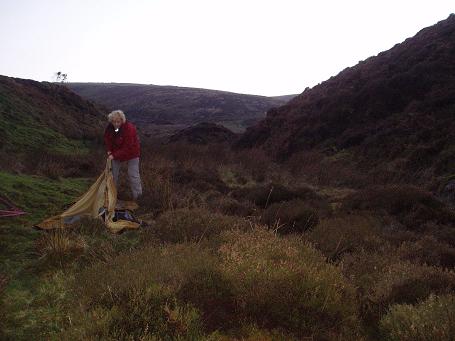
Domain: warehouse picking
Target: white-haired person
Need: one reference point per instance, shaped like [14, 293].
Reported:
[122, 144]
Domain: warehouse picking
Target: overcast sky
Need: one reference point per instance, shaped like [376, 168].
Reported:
[248, 46]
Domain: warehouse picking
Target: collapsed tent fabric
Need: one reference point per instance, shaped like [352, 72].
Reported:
[99, 202]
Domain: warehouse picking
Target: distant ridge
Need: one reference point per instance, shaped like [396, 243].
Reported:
[182, 106]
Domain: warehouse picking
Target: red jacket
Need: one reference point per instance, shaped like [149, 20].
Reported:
[123, 144]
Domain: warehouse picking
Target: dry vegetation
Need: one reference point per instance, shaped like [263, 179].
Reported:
[241, 248]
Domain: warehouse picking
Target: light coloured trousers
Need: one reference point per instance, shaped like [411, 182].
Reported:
[133, 175]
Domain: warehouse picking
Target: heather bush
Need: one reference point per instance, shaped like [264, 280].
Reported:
[411, 205]
[283, 282]
[252, 284]
[228, 205]
[431, 319]
[316, 167]
[193, 224]
[384, 279]
[133, 296]
[293, 216]
[159, 191]
[428, 250]
[54, 165]
[338, 235]
[264, 195]
[150, 313]
[199, 179]
[256, 162]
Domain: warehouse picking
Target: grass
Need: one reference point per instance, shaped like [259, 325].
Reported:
[39, 197]
[25, 133]
[44, 117]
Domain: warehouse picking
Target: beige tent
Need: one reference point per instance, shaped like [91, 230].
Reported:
[100, 198]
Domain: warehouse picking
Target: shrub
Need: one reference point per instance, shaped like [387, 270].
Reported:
[212, 294]
[384, 279]
[134, 296]
[159, 193]
[428, 250]
[291, 216]
[285, 283]
[218, 202]
[404, 282]
[432, 319]
[251, 332]
[338, 235]
[193, 224]
[337, 170]
[264, 195]
[150, 313]
[3, 282]
[411, 205]
[203, 180]
[66, 165]
[255, 161]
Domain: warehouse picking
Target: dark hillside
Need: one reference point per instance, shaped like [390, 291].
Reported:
[203, 133]
[396, 107]
[150, 105]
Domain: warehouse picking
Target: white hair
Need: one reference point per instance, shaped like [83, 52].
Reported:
[116, 113]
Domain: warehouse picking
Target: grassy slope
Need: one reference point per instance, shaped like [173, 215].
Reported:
[45, 117]
[38, 119]
[40, 197]
[22, 131]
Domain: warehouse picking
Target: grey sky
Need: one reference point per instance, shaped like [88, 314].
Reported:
[250, 46]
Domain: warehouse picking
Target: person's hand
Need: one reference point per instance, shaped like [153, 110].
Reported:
[110, 157]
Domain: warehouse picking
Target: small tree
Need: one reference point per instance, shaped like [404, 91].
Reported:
[60, 77]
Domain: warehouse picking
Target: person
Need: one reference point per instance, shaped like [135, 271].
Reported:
[122, 144]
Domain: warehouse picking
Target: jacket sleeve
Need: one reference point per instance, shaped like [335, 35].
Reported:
[127, 145]
[108, 140]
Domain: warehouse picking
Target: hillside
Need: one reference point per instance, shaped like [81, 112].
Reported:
[45, 116]
[153, 105]
[203, 133]
[47, 128]
[394, 110]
